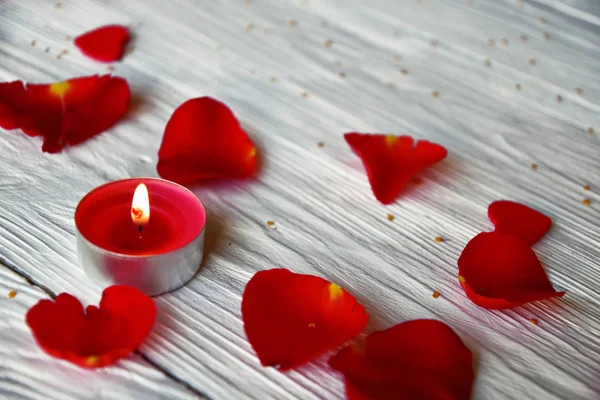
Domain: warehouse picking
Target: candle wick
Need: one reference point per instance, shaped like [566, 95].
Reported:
[140, 229]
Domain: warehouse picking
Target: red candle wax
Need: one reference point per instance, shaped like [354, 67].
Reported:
[103, 218]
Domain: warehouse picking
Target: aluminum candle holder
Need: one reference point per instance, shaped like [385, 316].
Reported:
[153, 241]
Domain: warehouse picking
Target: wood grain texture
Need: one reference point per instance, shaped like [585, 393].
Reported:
[328, 222]
[26, 372]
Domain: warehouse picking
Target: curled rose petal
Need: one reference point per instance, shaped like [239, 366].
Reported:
[68, 112]
[419, 359]
[98, 336]
[105, 44]
[203, 140]
[390, 161]
[498, 270]
[291, 319]
[518, 219]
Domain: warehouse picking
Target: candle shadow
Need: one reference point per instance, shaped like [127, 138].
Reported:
[215, 229]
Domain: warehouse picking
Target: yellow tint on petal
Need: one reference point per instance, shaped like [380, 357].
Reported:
[461, 279]
[92, 360]
[335, 291]
[252, 152]
[359, 347]
[59, 88]
[390, 140]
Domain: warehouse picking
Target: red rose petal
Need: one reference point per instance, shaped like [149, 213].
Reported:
[391, 160]
[420, 359]
[291, 319]
[518, 219]
[499, 270]
[97, 337]
[204, 140]
[64, 112]
[105, 44]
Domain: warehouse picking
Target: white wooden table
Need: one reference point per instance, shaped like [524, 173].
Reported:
[248, 55]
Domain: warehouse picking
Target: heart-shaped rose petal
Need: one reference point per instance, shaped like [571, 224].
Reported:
[95, 337]
[291, 319]
[203, 140]
[499, 270]
[68, 112]
[105, 44]
[420, 359]
[519, 220]
[391, 160]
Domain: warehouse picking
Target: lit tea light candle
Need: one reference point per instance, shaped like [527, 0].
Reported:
[140, 207]
[143, 232]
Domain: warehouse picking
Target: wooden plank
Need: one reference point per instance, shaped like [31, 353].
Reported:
[328, 222]
[26, 372]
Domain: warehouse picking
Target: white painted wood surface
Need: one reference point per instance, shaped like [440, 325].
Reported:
[27, 373]
[328, 222]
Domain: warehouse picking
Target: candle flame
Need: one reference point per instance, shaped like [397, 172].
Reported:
[140, 206]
